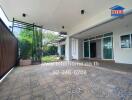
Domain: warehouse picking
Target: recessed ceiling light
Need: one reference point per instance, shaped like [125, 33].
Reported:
[63, 27]
[82, 11]
[23, 15]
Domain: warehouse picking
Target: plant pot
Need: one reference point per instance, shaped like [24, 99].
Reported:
[25, 62]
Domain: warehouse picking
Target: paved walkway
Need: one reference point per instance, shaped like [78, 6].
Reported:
[110, 64]
[66, 81]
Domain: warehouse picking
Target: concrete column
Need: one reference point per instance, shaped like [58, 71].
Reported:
[68, 49]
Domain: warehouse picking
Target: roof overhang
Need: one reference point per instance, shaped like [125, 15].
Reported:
[53, 14]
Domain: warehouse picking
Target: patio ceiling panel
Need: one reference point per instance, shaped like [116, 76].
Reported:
[53, 14]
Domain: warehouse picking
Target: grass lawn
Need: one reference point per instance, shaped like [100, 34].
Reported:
[47, 59]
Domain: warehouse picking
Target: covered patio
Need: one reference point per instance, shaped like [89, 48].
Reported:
[96, 50]
[63, 81]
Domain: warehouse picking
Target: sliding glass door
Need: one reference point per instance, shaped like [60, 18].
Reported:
[63, 50]
[103, 49]
[86, 49]
[107, 48]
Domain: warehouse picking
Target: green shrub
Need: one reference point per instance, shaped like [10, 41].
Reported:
[25, 49]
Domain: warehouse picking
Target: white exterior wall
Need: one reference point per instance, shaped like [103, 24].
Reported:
[121, 55]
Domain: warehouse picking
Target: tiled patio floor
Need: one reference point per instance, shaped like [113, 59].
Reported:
[60, 81]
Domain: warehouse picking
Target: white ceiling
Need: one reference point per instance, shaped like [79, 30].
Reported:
[106, 28]
[53, 14]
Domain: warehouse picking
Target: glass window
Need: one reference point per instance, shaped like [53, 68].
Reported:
[125, 41]
[107, 48]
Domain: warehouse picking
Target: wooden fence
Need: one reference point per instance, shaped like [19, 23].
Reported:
[8, 49]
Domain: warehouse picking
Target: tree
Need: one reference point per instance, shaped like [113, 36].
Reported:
[25, 43]
[49, 49]
[49, 37]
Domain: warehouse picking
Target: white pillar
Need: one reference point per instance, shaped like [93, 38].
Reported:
[77, 49]
[59, 50]
[68, 49]
[74, 48]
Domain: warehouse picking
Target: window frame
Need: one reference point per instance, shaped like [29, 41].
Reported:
[130, 41]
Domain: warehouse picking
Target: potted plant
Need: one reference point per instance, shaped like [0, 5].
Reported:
[62, 57]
